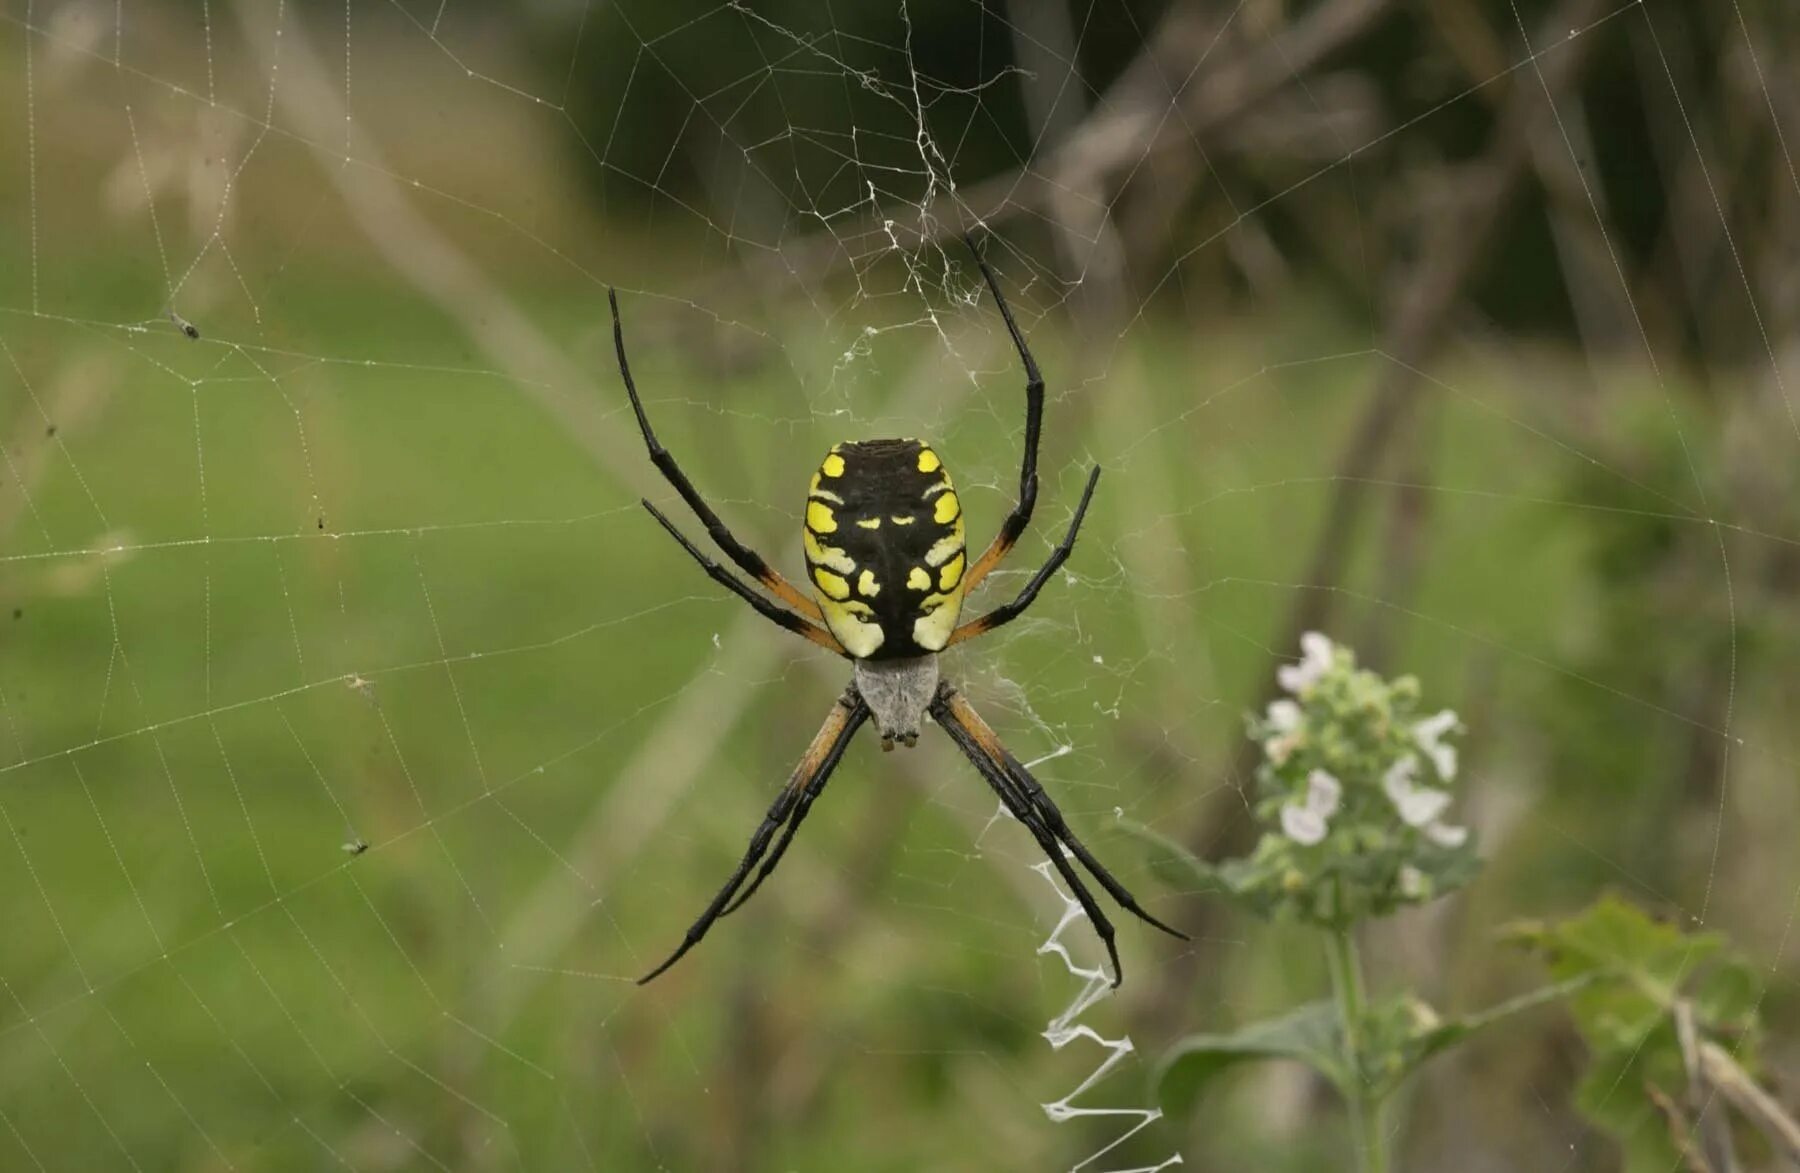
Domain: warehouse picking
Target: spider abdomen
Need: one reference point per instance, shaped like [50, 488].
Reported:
[884, 548]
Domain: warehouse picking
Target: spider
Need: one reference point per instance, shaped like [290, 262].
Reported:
[884, 551]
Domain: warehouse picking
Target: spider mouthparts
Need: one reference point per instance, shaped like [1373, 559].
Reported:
[887, 743]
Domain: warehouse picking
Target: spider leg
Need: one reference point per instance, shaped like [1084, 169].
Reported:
[1053, 819]
[994, 772]
[1010, 611]
[858, 714]
[775, 614]
[959, 718]
[747, 560]
[1020, 517]
[820, 758]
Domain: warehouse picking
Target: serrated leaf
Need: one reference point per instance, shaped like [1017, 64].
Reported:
[1309, 1034]
[1641, 970]
[1611, 934]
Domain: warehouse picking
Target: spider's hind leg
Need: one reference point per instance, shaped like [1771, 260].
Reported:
[968, 738]
[821, 757]
[1041, 802]
[1029, 803]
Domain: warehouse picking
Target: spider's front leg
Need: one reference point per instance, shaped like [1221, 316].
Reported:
[1007, 612]
[794, 611]
[1020, 517]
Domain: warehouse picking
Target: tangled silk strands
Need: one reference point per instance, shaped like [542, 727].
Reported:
[1065, 1028]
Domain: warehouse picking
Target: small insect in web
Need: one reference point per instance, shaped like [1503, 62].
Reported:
[185, 326]
[889, 572]
[354, 847]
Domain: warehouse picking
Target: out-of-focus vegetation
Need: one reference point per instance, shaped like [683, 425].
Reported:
[1355, 792]
[1480, 361]
[1653, 1005]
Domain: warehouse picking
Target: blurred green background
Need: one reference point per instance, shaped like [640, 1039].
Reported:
[1463, 332]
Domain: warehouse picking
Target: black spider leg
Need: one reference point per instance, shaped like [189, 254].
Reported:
[747, 560]
[1007, 612]
[1053, 818]
[858, 715]
[821, 757]
[773, 612]
[1020, 517]
[1019, 803]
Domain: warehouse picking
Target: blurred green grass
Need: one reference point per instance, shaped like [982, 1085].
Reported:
[193, 971]
[228, 736]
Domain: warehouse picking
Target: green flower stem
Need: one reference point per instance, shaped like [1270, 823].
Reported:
[1367, 1125]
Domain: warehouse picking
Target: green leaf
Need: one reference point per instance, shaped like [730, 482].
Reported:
[1400, 1034]
[1640, 970]
[1309, 1034]
[1727, 996]
[1613, 1093]
[1611, 934]
[1169, 861]
[1649, 966]
[1431, 1039]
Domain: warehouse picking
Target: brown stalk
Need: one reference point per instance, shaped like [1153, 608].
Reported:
[1465, 227]
[1709, 1120]
[1134, 120]
[1725, 1076]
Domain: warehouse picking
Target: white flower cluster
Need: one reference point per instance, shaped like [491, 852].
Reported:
[1429, 734]
[1284, 727]
[1306, 820]
[1423, 806]
[1315, 661]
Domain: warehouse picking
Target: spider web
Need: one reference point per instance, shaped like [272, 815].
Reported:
[363, 740]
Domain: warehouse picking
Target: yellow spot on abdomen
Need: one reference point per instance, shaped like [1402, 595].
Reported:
[928, 461]
[820, 554]
[951, 574]
[831, 584]
[833, 466]
[898, 519]
[867, 586]
[819, 517]
[918, 580]
[946, 547]
[847, 621]
[945, 508]
[869, 522]
[931, 630]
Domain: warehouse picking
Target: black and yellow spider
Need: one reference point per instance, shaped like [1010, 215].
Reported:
[884, 550]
